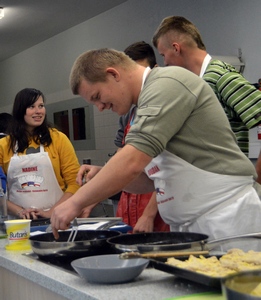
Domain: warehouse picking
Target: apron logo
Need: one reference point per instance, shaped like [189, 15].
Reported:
[30, 181]
[160, 191]
[166, 200]
[153, 170]
[30, 169]
[160, 186]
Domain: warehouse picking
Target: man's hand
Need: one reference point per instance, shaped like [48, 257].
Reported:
[86, 211]
[86, 173]
[62, 216]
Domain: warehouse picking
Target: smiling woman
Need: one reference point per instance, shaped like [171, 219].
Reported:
[35, 114]
[39, 161]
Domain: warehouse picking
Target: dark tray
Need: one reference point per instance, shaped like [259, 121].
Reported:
[40, 222]
[187, 274]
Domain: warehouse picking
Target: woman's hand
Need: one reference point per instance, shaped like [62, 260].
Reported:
[27, 213]
[144, 224]
[34, 213]
[43, 213]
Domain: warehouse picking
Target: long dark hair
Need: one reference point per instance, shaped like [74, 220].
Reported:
[41, 134]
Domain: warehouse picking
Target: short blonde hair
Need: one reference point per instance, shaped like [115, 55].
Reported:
[180, 26]
[92, 65]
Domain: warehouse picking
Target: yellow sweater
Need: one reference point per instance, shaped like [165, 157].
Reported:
[61, 154]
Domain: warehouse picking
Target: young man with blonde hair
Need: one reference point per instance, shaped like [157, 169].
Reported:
[200, 185]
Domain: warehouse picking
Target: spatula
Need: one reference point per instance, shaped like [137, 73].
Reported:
[127, 255]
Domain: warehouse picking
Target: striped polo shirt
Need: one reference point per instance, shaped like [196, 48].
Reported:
[239, 98]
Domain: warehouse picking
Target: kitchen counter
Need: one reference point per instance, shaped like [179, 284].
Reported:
[21, 274]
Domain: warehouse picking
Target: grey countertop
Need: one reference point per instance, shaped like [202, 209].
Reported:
[151, 284]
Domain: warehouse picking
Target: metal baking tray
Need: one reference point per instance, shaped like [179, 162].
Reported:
[187, 274]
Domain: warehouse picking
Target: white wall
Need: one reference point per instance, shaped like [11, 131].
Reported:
[225, 27]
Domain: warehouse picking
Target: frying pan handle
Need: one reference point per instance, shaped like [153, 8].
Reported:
[234, 237]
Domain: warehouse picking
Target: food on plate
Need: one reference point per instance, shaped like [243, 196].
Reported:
[235, 260]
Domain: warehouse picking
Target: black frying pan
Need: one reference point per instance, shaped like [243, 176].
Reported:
[157, 241]
[86, 243]
[168, 241]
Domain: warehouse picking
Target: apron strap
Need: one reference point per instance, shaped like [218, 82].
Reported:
[16, 148]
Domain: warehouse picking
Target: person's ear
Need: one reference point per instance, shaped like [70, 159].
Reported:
[114, 73]
[176, 49]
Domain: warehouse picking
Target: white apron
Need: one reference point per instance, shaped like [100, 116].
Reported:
[191, 199]
[32, 181]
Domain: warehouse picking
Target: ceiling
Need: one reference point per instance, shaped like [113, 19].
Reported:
[29, 22]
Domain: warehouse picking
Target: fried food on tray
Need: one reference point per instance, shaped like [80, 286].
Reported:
[233, 261]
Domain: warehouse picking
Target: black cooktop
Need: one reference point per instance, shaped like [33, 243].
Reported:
[63, 263]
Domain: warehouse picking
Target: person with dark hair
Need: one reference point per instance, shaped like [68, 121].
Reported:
[204, 182]
[142, 53]
[6, 120]
[38, 160]
[136, 209]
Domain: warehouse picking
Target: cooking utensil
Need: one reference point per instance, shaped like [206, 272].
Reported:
[74, 231]
[127, 255]
[109, 268]
[106, 222]
[157, 241]
[49, 228]
[108, 225]
[169, 241]
[87, 242]
[110, 221]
